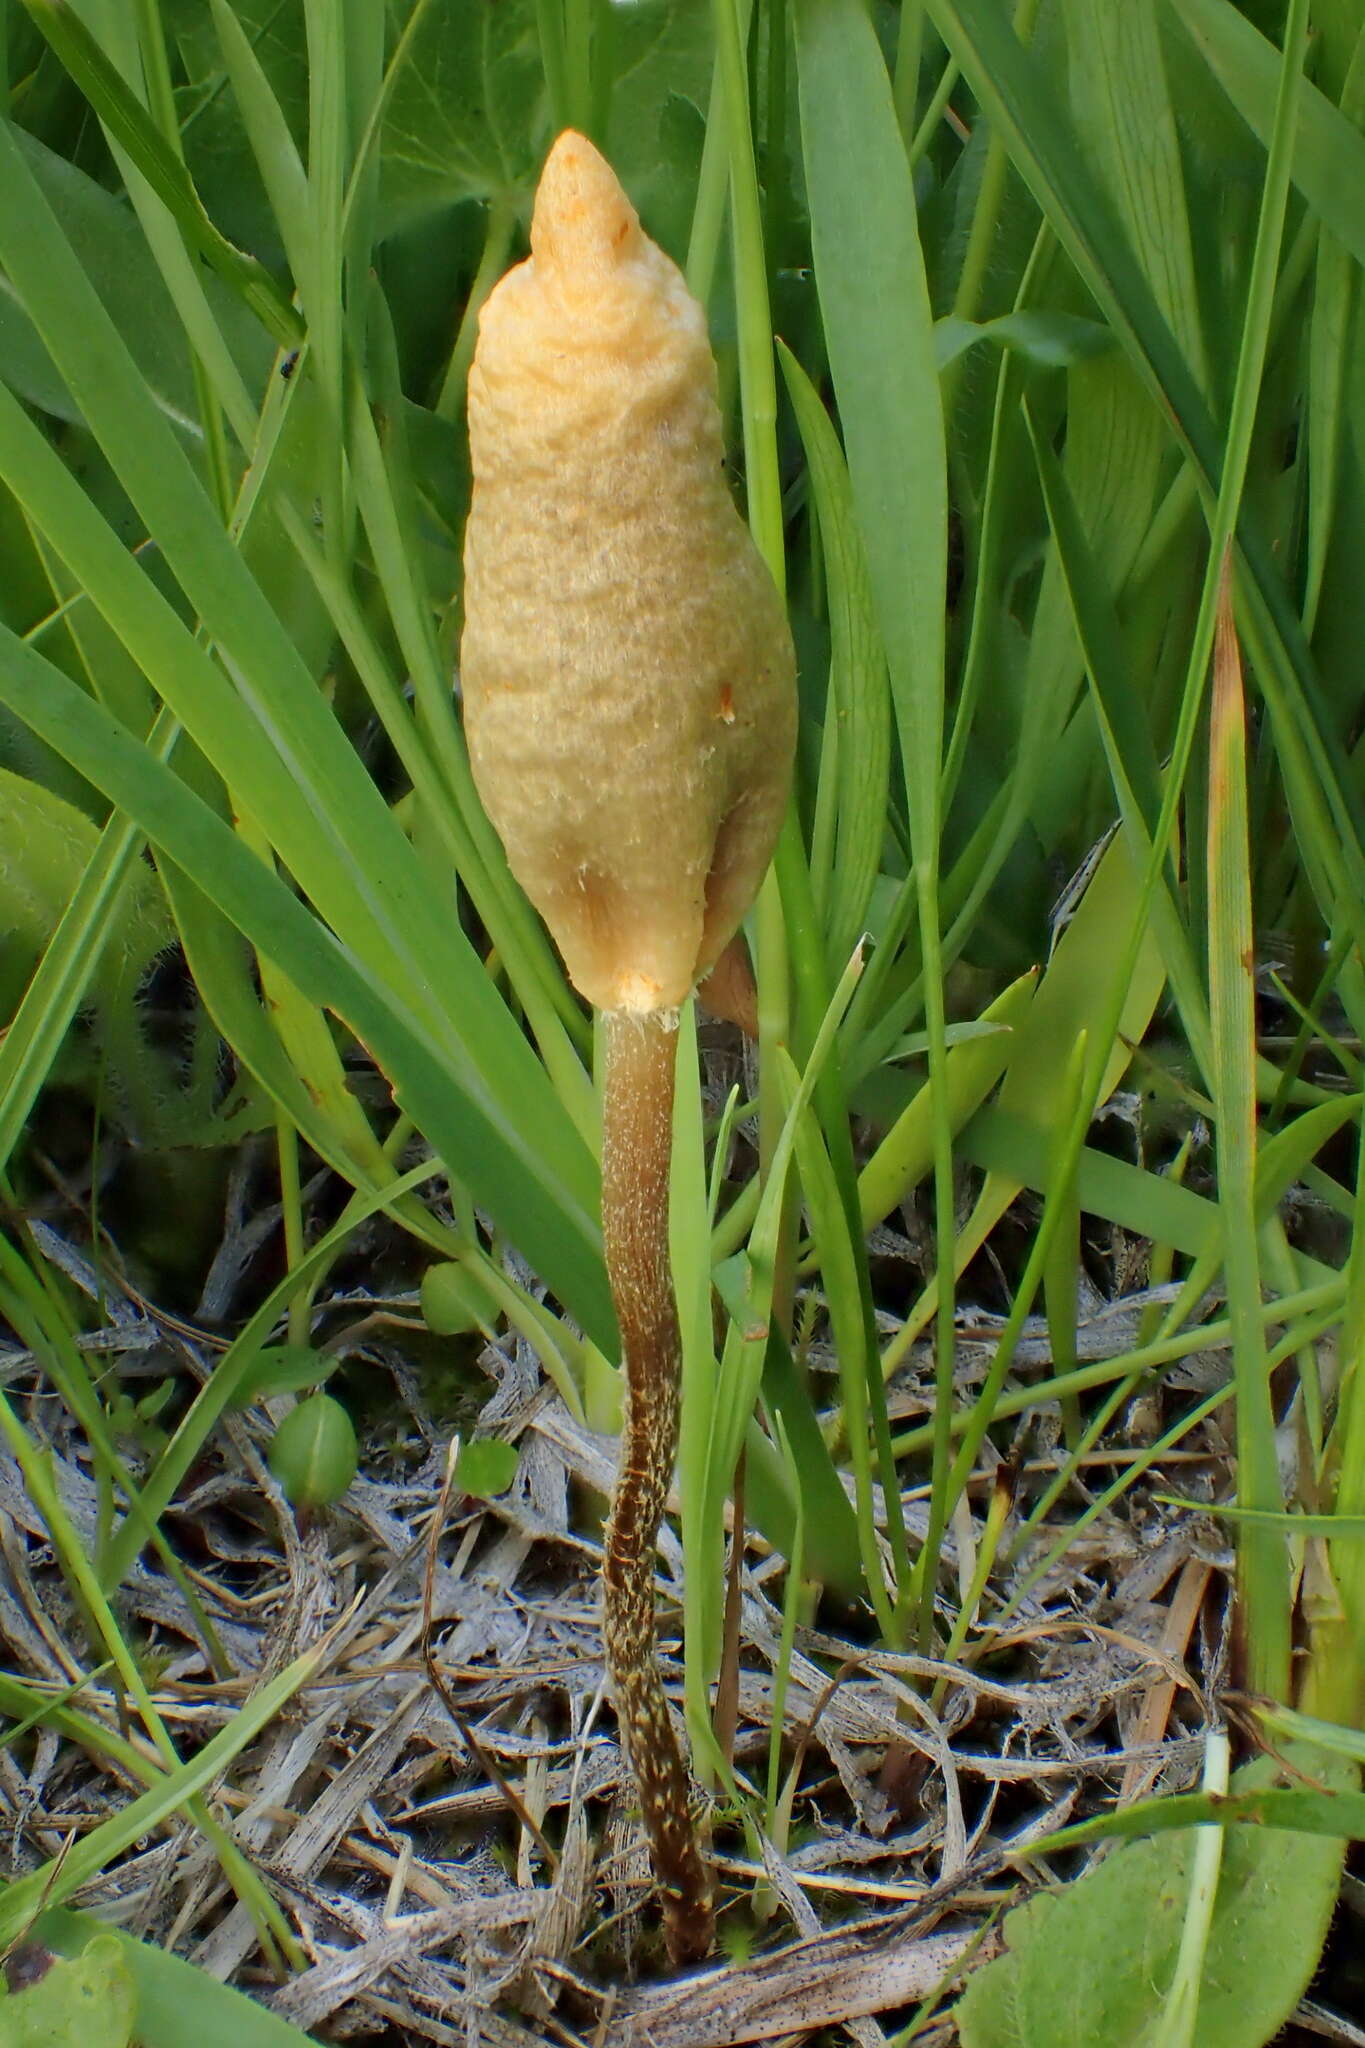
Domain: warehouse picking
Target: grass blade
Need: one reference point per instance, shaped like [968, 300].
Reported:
[1262, 1559]
[556, 1229]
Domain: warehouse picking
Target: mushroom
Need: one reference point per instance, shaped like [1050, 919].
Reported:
[630, 709]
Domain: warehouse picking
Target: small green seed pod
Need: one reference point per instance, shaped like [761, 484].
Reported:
[313, 1453]
[627, 667]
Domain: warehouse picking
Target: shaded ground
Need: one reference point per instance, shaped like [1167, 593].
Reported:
[424, 1910]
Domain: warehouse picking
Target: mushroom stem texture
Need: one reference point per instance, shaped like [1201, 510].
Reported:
[637, 1140]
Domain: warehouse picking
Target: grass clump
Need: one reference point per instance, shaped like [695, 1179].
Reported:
[1007, 1263]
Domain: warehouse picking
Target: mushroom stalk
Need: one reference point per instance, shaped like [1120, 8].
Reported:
[637, 1139]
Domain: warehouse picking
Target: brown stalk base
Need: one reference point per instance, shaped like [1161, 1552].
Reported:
[636, 1145]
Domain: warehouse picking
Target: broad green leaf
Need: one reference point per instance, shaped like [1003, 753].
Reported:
[466, 119]
[175, 2002]
[1073, 993]
[90, 2000]
[662, 64]
[284, 1369]
[1094, 1960]
[262, 118]
[212, 132]
[454, 1301]
[314, 1453]
[486, 1467]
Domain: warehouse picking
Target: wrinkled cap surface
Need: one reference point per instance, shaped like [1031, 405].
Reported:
[626, 663]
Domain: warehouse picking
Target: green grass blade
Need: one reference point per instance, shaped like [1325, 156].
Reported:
[231, 1377]
[874, 301]
[906, 1154]
[52, 1883]
[272, 737]
[127, 120]
[1263, 1564]
[724, 1408]
[1127, 737]
[1123, 110]
[53, 996]
[491, 1148]
[1328, 163]
[175, 2001]
[267, 131]
[859, 1369]
[852, 797]
[875, 304]
[1017, 97]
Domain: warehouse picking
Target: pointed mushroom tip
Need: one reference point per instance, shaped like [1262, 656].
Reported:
[570, 150]
[582, 216]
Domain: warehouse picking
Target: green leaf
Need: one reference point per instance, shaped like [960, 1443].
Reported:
[1329, 154]
[1052, 340]
[175, 2002]
[313, 1453]
[262, 908]
[465, 120]
[54, 861]
[284, 1369]
[1074, 993]
[662, 62]
[132, 127]
[279, 747]
[115, 257]
[212, 131]
[45, 847]
[104, 1843]
[1122, 106]
[90, 2000]
[869, 269]
[851, 801]
[454, 1301]
[1021, 103]
[973, 1067]
[1094, 1961]
[486, 1467]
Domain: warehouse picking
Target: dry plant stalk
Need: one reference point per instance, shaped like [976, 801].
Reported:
[630, 708]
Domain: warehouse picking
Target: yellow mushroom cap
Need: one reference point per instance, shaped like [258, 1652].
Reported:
[626, 665]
